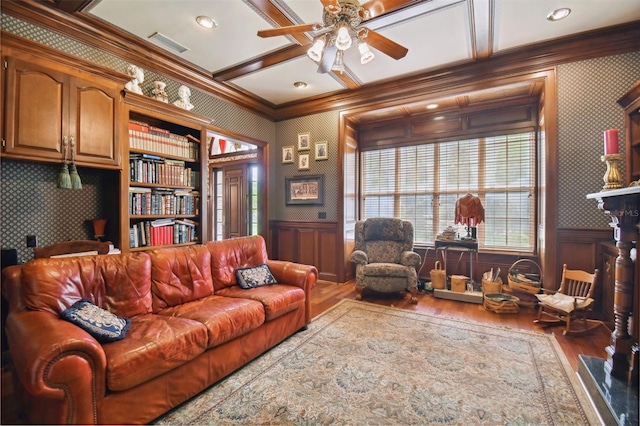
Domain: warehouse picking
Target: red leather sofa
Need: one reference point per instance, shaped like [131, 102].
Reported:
[191, 325]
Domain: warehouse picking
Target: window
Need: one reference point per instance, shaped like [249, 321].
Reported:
[422, 183]
[253, 199]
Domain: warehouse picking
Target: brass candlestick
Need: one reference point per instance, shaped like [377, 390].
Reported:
[612, 177]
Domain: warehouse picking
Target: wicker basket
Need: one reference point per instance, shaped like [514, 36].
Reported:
[529, 283]
[492, 286]
[459, 283]
[438, 278]
[501, 303]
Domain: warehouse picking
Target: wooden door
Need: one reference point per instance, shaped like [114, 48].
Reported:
[36, 116]
[234, 202]
[93, 123]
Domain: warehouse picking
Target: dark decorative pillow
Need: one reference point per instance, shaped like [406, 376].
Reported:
[104, 326]
[255, 276]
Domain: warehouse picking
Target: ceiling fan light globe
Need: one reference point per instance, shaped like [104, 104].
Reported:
[343, 39]
[315, 51]
[338, 64]
[366, 55]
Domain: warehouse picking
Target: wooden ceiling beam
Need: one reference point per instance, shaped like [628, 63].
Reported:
[256, 64]
[481, 15]
[280, 18]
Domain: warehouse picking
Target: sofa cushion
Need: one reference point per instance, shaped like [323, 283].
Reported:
[225, 317]
[255, 276]
[104, 326]
[180, 275]
[277, 299]
[154, 345]
[231, 254]
[385, 270]
[119, 283]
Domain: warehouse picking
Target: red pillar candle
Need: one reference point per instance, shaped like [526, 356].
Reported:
[611, 142]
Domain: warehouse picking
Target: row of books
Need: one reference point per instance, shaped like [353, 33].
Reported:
[163, 201]
[149, 168]
[150, 138]
[162, 232]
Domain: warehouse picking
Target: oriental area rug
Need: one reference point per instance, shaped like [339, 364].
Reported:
[365, 364]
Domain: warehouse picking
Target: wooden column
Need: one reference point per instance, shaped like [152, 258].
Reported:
[623, 206]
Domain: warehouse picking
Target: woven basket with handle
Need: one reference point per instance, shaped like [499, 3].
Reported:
[527, 282]
[438, 277]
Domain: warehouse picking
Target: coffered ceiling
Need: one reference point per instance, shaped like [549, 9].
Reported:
[441, 36]
[437, 34]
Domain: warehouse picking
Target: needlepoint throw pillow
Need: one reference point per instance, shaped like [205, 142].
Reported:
[104, 326]
[255, 276]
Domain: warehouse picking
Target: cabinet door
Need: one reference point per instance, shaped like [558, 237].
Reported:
[35, 114]
[94, 111]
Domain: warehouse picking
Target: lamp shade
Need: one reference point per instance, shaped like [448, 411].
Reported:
[469, 210]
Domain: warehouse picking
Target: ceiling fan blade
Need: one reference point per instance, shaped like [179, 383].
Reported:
[379, 7]
[385, 45]
[327, 60]
[286, 30]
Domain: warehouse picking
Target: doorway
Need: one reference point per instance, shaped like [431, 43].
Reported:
[235, 195]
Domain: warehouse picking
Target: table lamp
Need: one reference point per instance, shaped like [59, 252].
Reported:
[470, 213]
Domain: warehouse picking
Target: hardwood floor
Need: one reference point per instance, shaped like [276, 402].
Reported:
[327, 294]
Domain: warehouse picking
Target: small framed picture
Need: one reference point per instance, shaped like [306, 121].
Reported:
[287, 154]
[321, 151]
[303, 162]
[303, 141]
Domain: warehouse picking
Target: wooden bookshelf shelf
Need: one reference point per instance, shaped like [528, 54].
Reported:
[163, 216]
[145, 248]
[161, 181]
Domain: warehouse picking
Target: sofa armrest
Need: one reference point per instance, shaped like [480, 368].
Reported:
[410, 258]
[58, 363]
[11, 285]
[359, 257]
[303, 276]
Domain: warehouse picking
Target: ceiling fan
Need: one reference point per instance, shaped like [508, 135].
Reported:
[341, 24]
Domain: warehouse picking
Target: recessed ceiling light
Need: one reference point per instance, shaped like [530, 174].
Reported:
[206, 22]
[300, 84]
[432, 106]
[558, 14]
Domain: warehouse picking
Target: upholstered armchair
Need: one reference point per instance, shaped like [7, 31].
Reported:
[384, 257]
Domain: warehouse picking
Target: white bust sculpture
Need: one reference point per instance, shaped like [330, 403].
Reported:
[183, 98]
[137, 77]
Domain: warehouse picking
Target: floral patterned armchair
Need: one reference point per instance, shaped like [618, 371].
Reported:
[384, 256]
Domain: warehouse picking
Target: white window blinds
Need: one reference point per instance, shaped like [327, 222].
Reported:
[422, 184]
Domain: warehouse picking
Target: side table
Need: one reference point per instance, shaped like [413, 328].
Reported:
[468, 246]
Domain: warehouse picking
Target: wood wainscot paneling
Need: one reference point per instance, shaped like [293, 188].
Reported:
[311, 243]
[589, 249]
[579, 248]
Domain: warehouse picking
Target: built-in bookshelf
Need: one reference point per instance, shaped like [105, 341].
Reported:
[164, 204]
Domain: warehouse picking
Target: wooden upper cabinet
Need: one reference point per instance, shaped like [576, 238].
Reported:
[44, 106]
[630, 101]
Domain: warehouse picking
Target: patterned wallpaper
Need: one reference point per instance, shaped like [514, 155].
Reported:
[32, 205]
[321, 127]
[588, 92]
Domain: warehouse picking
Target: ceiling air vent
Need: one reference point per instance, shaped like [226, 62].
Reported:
[166, 41]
